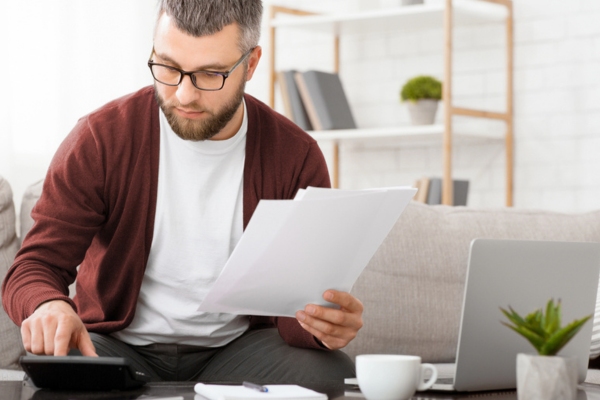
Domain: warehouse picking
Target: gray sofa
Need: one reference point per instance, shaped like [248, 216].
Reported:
[10, 338]
[412, 289]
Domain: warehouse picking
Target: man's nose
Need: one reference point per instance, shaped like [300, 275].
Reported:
[186, 91]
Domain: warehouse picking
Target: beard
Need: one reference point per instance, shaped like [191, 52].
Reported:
[197, 130]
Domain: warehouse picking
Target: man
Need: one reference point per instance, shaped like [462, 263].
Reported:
[150, 194]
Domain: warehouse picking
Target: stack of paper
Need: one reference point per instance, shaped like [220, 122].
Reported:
[231, 392]
[292, 251]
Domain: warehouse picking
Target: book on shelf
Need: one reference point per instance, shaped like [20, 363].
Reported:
[422, 186]
[325, 100]
[292, 103]
[460, 191]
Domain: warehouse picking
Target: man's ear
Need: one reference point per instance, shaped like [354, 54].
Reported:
[253, 59]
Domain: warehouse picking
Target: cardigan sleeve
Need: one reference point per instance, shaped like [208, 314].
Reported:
[97, 212]
[314, 170]
[67, 216]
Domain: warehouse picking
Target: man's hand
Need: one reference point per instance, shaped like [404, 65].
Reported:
[334, 328]
[53, 329]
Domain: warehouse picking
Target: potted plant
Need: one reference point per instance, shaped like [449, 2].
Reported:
[422, 94]
[545, 376]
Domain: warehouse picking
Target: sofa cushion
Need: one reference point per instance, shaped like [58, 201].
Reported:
[30, 197]
[413, 287]
[11, 347]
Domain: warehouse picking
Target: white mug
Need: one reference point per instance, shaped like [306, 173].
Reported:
[392, 377]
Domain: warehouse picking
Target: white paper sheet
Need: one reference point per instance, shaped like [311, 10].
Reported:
[292, 251]
[238, 392]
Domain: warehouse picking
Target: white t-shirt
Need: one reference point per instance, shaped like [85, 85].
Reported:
[198, 223]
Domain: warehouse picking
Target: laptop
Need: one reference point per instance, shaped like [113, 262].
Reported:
[523, 275]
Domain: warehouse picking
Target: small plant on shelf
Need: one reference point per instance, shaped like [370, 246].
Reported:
[420, 88]
[422, 94]
[544, 331]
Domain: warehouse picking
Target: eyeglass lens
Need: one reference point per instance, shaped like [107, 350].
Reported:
[202, 80]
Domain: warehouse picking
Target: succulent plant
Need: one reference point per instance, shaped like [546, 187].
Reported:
[544, 331]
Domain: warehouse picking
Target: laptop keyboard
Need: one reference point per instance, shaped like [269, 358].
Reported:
[445, 381]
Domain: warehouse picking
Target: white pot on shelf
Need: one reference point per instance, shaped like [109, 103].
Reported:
[546, 377]
[422, 112]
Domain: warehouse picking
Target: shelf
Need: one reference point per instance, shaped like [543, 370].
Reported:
[414, 16]
[420, 133]
[434, 14]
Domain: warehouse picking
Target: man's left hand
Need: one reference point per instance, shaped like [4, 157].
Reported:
[334, 328]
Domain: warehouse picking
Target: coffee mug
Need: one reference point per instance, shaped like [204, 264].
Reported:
[392, 377]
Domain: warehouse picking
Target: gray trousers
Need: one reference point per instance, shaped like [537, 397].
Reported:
[259, 356]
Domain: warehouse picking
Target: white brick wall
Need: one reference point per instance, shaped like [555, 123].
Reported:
[66, 59]
[557, 91]
[556, 101]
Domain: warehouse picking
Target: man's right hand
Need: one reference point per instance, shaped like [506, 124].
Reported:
[53, 329]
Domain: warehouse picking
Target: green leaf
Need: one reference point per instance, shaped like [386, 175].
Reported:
[558, 315]
[530, 322]
[552, 322]
[534, 322]
[561, 337]
[536, 340]
[513, 316]
[542, 328]
[549, 318]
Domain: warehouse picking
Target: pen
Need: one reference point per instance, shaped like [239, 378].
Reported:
[254, 386]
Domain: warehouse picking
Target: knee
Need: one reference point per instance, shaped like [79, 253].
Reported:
[325, 365]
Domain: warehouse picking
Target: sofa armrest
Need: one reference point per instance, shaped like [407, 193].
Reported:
[11, 347]
[30, 197]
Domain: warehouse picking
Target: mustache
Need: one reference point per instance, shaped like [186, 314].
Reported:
[194, 107]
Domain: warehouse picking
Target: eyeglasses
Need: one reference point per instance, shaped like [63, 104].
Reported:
[201, 79]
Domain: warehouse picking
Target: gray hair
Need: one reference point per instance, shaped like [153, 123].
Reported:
[207, 17]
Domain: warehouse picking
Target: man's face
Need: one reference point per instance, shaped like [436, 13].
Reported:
[197, 114]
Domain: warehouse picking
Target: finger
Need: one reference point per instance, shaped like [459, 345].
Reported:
[62, 338]
[49, 333]
[86, 346]
[37, 337]
[341, 317]
[334, 335]
[344, 299]
[316, 333]
[26, 336]
[328, 328]
[331, 315]
[331, 343]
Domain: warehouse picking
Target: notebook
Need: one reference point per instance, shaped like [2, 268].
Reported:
[523, 275]
[240, 392]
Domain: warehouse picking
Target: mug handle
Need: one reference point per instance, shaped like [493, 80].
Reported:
[432, 379]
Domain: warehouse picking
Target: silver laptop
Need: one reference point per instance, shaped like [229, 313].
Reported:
[523, 275]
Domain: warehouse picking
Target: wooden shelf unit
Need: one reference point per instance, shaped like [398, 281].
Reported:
[414, 16]
[405, 134]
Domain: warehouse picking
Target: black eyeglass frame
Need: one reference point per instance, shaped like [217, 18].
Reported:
[183, 73]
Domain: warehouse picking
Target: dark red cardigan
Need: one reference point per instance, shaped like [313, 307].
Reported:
[98, 204]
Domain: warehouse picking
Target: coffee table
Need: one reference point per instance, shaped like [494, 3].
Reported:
[13, 390]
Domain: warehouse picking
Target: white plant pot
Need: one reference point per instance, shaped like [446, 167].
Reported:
[409, 2]
[422, 112]
[546, 377]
